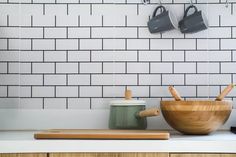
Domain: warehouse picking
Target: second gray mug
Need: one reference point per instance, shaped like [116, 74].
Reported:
[193, 23]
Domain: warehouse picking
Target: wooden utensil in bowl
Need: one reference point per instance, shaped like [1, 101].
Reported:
[175, 93]
[225, 92]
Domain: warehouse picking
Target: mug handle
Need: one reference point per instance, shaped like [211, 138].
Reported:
[187, 10]
[163, 9]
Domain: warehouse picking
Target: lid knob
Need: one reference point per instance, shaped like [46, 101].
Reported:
[128, 95]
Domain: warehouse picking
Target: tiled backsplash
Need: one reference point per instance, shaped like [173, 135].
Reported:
[80, 54]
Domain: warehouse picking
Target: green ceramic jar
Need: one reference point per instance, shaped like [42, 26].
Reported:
[129, 114]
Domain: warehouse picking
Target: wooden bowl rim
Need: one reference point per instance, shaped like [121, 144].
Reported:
[195, 105]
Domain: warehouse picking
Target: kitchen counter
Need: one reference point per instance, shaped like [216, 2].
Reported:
[23, 142]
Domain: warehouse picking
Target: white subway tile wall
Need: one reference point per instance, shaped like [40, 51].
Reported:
[80, 54]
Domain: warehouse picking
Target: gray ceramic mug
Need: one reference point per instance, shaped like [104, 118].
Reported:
[193, 23]
[162, 22]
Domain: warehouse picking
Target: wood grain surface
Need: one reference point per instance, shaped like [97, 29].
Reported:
[202, 155]
[196, 117]
[24, 155]
[109, 155]
[102, 134]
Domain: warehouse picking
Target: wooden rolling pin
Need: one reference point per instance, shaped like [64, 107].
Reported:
[225, 92]
[174, 93]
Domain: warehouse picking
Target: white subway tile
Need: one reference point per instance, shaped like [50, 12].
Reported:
[43, 44]
[114, 44]
[67, 44]
[187, 91]
[139, 91]
[55, 103]
[161, 44]
[28, 9]
[67, 91]
[3, 44]
[67, 20]
[54, 56]
[3, 68]
[208, 56]
[137, 67]
[173, 56]
[79, 79]
[114, 56]
[114, 68]
[208, 44]
[228, 67]
[173, 79]
[9, 103]
[79, 9]
[19, 91]
[10, 32]
[54, 9]
[17, 20]
[78, 55]
[114, 20]
[78, 103]
[91, 1]
[90, 91]
[137, 44]
[67, 68]
[30, 79]
[29, 56]
[9, 79]
[43, 91]
[90, 68]
[161, 67]
[43, 68]
[173, 34]
[43, 20]
[114, 32]
[185, 68]
[114, 79]
[91, 21]
[9, 9]
[44, 1]
[3, 91]
[184, 44]
[228, 44]
[149, 79]
[19, 44]
[55, 79]
[9, 56]
[159, 91]
[234, 55]
[208, 68]
[112, 9]
[228, 20]
[137, 20]
[78, 32]
[31, 103]
[100, 103]
[90, 44]
[143, 32]
[206, 79]
[113, 91]
[208, 91]
[55, 32]
[149, 56]
[19, 67]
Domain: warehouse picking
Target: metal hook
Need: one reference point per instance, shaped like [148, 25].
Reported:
[191, 2]
[145, 1]
[160, 3]
[226, 3]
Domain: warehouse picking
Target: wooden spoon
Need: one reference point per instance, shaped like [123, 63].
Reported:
[225, 92]
[174, 93]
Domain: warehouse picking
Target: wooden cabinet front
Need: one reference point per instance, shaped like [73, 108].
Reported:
[109, 155]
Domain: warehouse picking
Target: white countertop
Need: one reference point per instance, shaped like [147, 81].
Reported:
[23, 141]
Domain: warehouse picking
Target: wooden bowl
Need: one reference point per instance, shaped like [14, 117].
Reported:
[196, 117]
